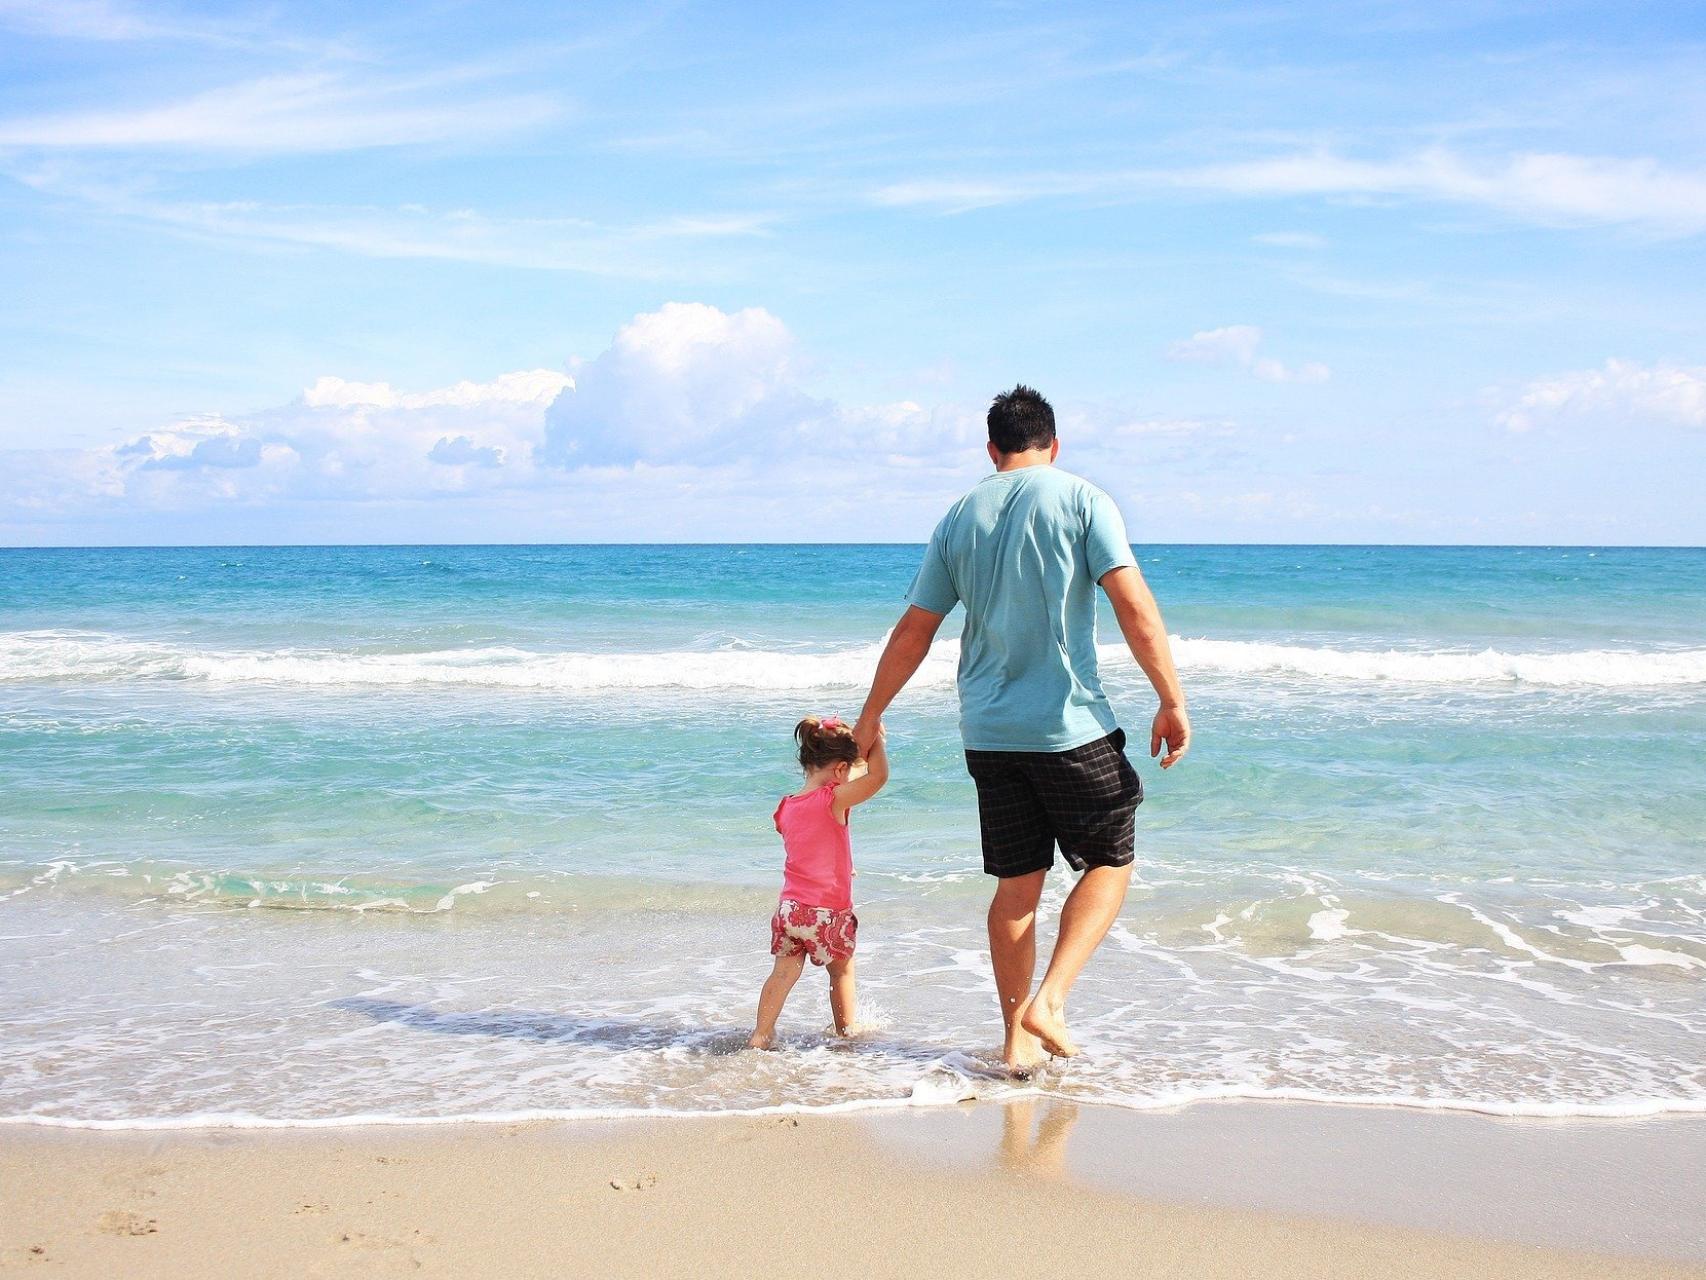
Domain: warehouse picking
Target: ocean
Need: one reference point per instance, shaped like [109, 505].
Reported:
[309, 836]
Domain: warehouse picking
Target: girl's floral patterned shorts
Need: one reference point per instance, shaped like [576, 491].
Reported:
[818, 932]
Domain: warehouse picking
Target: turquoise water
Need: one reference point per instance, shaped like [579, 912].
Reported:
[300, 835]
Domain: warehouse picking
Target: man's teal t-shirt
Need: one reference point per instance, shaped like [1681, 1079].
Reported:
[1023, 552]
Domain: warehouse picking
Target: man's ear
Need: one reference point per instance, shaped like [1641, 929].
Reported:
[994, 453]
[1054, 449]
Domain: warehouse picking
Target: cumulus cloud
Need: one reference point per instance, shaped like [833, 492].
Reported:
[1618, 389]
[694, 423]
[340, 441]
[460, 451]
[691, 410]
[685, 382]
[1235, 345]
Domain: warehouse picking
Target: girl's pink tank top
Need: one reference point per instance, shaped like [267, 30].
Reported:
[819, 868]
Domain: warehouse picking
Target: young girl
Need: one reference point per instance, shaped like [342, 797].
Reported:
[815, 915]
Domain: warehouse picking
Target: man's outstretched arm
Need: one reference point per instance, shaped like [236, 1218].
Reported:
[908, 644]
[1146, 636]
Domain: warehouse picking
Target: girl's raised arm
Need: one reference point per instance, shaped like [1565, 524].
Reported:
[859, 790]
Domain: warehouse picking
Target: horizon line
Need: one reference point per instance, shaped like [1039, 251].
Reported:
[378, 546]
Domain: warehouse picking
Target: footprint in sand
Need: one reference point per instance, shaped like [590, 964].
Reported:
[644, 1183]
[122, 1222]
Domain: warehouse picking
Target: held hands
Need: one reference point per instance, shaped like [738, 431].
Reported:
[1172, 727]
[869, 736]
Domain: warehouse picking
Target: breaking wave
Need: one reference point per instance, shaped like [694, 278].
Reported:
[67, 656]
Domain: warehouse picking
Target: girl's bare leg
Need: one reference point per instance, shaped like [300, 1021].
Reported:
[842, 1002]
[775, 994]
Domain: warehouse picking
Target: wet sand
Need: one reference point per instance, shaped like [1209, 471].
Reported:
[1272, 1190]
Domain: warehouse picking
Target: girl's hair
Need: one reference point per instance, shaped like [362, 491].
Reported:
[824, 741]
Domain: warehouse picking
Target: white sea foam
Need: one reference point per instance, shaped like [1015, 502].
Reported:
[933, 1090]
[1371, 1002]
[1326, 926]
[1606, 668]
[94, 657]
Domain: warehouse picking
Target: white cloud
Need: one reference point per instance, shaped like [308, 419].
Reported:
[694, 423]
[1235, 345]
[460, 451]
[533, 386]
[1543, 187]
[684, 381]
[302, 112]
[78, 19]
[193, 445]
[111, 20]
[670, 247]
[1621, 389]
[693, 416]
[1550, 188]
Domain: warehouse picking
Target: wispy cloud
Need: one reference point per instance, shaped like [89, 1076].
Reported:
[1291, 239]
[113, 21]
[1235, 345]
[304, 112]
[660, 249]
[1613, 394]
[83, 20]
[549, 244]
[1549, 188]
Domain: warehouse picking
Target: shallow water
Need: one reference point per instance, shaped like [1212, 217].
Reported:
[302, 835]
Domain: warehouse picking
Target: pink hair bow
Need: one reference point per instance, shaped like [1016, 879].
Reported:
[830, 723]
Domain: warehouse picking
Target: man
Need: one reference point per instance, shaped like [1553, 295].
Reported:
[1024, 551]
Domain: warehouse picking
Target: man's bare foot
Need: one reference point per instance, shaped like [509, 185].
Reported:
[1047, 1022]
[1023, 1053]
[756, 1041]
[849, 1031]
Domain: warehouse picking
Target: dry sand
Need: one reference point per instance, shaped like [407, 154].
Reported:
[979, 1191]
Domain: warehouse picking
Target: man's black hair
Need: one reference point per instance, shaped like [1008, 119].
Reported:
[1021, 419]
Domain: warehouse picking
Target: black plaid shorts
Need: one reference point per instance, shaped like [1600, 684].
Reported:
[1085, 800]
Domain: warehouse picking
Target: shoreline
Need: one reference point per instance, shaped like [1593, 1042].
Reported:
[1231, 1188]
[1588, 1113]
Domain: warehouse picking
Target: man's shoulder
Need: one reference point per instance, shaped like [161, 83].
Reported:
[1072, 492]
[1077, 483]
[1050, 483]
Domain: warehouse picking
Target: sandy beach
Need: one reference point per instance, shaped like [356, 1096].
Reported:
[1238, 1190]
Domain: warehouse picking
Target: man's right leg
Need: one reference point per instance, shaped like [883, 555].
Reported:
[1013, 954]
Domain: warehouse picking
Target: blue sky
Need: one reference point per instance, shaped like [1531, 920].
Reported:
[457, 272]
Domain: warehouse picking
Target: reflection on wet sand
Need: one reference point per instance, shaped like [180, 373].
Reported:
[1042, 1153]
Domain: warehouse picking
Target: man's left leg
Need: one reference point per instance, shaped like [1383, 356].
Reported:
[1089, 913]
[1092, 794]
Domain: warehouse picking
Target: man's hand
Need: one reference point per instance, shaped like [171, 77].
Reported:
[1173, 727]
[866, 735]
[1146, 636]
